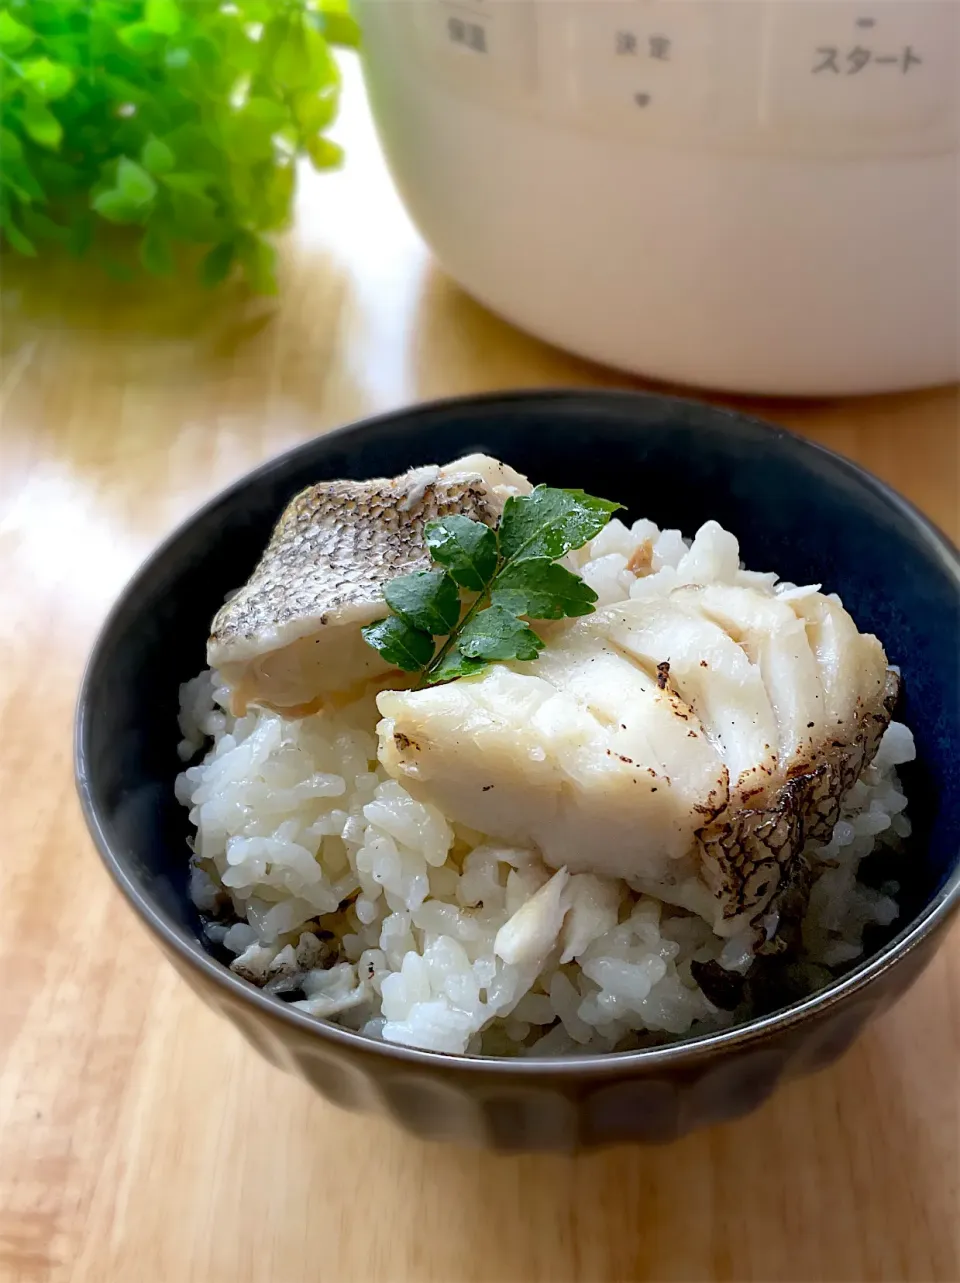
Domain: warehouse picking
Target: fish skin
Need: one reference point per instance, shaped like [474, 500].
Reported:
[330, 553]
[744, 858]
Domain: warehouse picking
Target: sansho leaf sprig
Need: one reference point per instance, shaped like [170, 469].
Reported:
[473, 610]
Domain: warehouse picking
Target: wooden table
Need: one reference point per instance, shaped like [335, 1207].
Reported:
[141, 1140]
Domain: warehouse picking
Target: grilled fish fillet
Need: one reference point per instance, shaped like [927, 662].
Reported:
[689, 744]
[290, 638]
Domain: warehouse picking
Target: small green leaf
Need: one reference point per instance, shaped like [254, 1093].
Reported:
[324, 153]
[156, 156]
[15, 238]
[399, 644]
[496, 634]
[246, 139]
[124, 92]
[50, 79]
[549, 522]
[542, 589]
[42, 125]
[274, 196]
[427, 600]
[338, 24]
[134, 182]
[64, 47]
[11, 147]
[14, 36]
[291, 62]
[155, 253]
[194, 218]
[192, 184]
[216, 266]
[38, 226]
[20, 179]
[303, 60]
[162, 16]
[315, 111]
[115, 207]
[259, 260]
[257, 10]
[266, 111]
[140, 38]
[467, 549]
[53, 173]
[454, 665]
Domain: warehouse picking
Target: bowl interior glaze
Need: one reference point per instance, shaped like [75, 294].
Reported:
[795, 508]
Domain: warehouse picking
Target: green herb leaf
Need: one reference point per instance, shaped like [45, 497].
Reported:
[549, 522]
[37, 226]
[495, 633]
[140, 38]
[314, 111]
[541, 589]
[454, 665]
[156, 156]
[134, 182]
[324, 153]
[163, 16]
[427, 600]
[266, 111]
[41, 125]
[399, 644]
[216, 266]
[14, 36]
[292, 63]
[509, 577]
[50, 79]
[193, 184]
[15, 237]
[11, 147]
[468, 550]
[117, 208]
[259, 259]
[20, 179]
[338, 24]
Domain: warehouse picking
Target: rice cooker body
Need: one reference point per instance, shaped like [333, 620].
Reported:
[757, 195]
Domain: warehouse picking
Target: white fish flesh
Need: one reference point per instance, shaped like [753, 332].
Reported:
[688, 743]
[290, 638]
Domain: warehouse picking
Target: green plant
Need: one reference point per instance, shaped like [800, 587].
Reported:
[179, 119]
[510, 573]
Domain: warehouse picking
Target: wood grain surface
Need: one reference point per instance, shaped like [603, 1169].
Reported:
[141, 1141]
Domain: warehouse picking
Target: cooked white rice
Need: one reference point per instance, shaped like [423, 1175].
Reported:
[326, 879]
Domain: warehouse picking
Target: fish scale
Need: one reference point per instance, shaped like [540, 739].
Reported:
[290, 638]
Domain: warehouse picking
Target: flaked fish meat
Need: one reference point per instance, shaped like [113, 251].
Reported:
[690, 743]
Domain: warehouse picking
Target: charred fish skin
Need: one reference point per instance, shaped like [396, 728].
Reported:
[333, 548]
[744, 860]
[290, 638]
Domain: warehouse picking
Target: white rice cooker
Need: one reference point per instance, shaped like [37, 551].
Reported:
[757, 195]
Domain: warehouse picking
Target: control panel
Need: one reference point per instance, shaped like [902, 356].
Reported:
[823, 77]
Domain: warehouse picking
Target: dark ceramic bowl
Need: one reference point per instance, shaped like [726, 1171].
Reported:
[797, 508]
